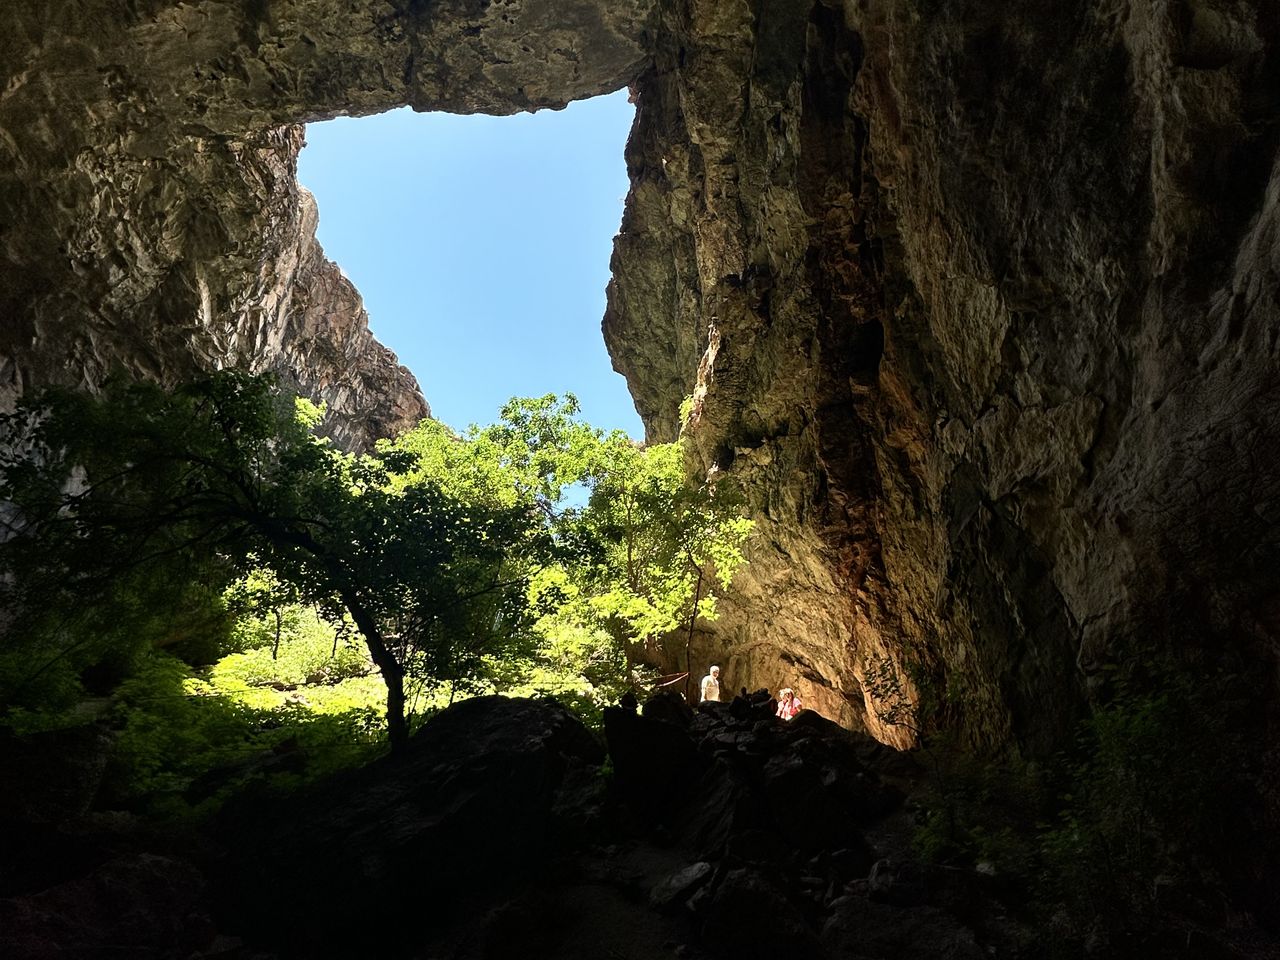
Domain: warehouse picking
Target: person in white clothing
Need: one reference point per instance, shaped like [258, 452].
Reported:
[711, 685]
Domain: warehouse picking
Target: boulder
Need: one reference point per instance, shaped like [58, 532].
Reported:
[469, 811]
[60, 771]
[669, 706]
[676, 888]
[751, 916]
[136, 906]
[897, 882]
[655, 763]
[857, 927]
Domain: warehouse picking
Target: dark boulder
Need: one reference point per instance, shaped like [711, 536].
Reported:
[857, 927]
[655, 763]
[676, 888]
[808, 814]
[60, 772]
[669, 706]
[139, 906]
[468, 811]
[901, 883]
[750, 915]
[723, 805]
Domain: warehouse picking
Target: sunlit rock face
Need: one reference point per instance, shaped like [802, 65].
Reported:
[150, 217]
[979, 302]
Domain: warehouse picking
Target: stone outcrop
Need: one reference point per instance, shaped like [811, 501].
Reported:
[486, 792]
[140, 905]
[745, 244]
[150, 217]
[499, 834]
[318, 337]
[977, 304]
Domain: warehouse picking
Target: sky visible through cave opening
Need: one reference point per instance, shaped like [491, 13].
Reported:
[481, 248]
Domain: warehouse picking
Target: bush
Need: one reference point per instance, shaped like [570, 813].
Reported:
[57, 648]
[982, 810]
[1147, 792]
[578, 664]
[1131, 825]
[184, 746]
[308, 654]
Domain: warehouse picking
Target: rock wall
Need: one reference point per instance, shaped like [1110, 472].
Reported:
[1089, 252]
[977, 303]
[150, 217]
[746, 243]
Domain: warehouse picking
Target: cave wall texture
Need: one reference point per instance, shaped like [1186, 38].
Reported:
[977, 301]
[150, 216]
[980, 303]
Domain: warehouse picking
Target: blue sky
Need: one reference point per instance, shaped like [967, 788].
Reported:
[481, 247]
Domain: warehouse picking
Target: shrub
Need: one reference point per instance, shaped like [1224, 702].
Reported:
[184, 746]
[1146, 793]
[1128, 826]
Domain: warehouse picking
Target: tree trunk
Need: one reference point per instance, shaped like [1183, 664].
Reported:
[688, 643]
[391, 669]
[397, 723]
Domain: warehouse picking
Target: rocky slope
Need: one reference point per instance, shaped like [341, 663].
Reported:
[978, 304]
[724, 832]
[499, 835]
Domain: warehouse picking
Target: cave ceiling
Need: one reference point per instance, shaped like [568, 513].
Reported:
[150, 216]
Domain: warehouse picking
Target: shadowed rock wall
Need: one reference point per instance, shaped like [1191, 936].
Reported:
[979, 303]
[745, 246]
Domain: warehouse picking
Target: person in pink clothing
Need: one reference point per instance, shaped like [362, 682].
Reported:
[788, 703]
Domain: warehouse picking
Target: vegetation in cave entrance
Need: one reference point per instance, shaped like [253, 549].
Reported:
[1127, 820]
[641, 559]
[146, 518]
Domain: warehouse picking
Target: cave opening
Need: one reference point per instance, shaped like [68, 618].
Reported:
[480, 245]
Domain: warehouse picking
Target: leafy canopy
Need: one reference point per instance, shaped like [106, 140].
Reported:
[534, 554]
[226, 472]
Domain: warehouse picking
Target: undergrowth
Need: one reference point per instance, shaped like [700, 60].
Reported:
[291, 702]
[184, 745]
[1147, 815]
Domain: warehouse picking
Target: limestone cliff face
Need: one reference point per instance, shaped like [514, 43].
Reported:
[150, 218]
[749, 247]
[979, 302]
[317, 324]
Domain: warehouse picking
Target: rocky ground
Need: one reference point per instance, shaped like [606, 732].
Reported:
[508, 831]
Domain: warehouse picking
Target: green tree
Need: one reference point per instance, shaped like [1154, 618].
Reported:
[228, 470]
[445, 552]
[532, 457]
[260, 595]
[71, 639]
[667, 543]
[637, 549]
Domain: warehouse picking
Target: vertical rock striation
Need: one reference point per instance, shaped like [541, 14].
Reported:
[1085, 201]
[748, 248]
[980, 306]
